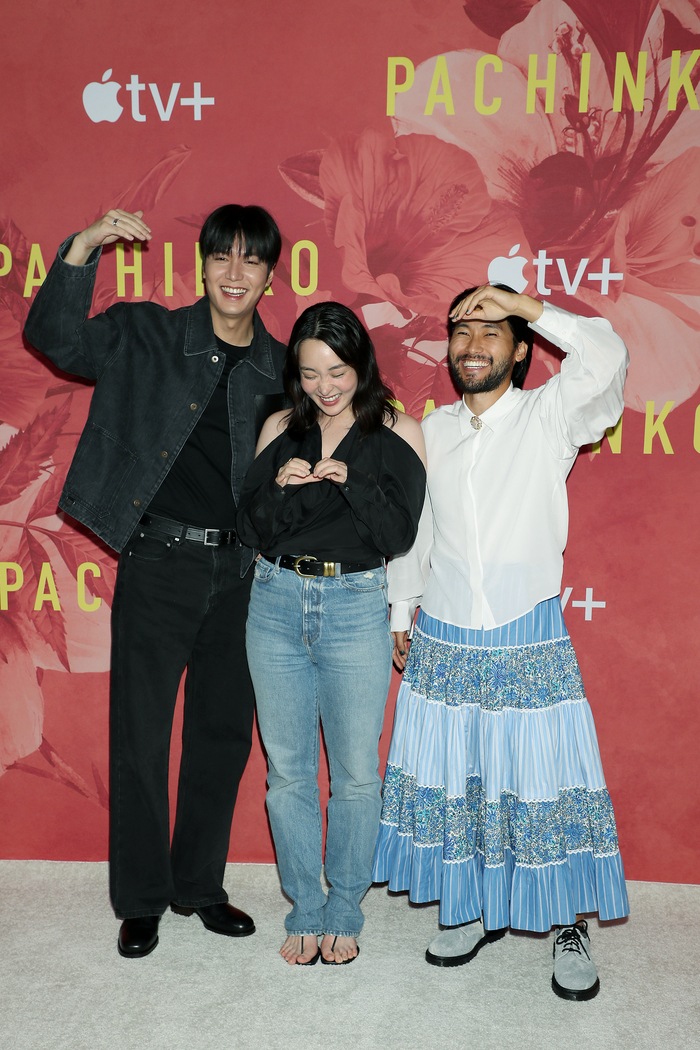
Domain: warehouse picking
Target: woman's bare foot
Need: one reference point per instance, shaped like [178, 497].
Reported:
[338, 949]
[299, 950]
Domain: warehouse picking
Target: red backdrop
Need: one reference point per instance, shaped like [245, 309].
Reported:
[406, 149]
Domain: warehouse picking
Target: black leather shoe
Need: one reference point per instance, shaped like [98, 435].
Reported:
[221, 918]
[138, 937]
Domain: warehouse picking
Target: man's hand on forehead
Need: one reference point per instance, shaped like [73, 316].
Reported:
[487, 303]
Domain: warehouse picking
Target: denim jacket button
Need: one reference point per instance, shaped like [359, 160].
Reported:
[137, 502]
[215, 359]
[193, 406]
[164, 455]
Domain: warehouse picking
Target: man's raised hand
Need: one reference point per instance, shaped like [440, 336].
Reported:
[116, 225]
[487, 303]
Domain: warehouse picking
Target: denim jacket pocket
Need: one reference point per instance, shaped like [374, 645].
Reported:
[100, 468]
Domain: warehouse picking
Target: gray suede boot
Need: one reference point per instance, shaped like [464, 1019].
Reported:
[575, 975]
[459, 944]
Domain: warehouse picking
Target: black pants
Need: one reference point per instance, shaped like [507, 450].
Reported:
[176, 606]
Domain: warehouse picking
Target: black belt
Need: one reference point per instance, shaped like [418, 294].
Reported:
[308, 565]
[180, 531]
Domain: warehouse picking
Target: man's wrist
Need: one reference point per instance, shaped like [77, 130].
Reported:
[530, 309]
[401, 616]
[78, 254]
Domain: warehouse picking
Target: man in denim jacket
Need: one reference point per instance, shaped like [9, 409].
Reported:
[179, 399]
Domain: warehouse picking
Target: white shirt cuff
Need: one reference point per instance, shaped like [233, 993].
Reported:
[402, 614]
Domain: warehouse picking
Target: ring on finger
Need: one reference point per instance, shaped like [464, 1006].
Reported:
[115, 221]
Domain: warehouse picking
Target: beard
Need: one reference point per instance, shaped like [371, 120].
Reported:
[491, 381]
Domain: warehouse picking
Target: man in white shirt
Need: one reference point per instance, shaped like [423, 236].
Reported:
[494, 799]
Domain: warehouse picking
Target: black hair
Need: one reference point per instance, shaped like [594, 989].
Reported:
[247, 224]
[341, 330]
[520, 330]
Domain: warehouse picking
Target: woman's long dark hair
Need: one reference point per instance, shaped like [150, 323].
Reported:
[339, 328]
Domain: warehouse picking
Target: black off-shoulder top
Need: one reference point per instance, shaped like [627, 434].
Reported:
[375, 512]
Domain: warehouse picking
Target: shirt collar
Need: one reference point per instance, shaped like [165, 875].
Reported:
[200, 338]
[492, 417]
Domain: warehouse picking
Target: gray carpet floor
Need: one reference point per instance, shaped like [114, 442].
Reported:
[63, 985]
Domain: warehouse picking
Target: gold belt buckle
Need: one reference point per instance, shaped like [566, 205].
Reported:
[329, 567]
[304, 557]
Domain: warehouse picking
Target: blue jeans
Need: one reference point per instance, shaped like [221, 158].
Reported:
[321, 647]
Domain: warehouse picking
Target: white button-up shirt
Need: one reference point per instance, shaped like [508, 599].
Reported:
[493, 530]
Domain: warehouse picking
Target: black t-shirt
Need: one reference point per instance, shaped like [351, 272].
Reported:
[197, 489]
[375, 512]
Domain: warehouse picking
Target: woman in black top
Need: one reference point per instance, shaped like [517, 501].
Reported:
[337, 487]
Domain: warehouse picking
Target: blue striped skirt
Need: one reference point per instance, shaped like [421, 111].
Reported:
[494, 799]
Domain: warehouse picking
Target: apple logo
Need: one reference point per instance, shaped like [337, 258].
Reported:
[509, 270]
[100, 100]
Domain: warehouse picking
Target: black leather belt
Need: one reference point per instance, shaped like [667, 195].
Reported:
[180, 531]
[307, 565]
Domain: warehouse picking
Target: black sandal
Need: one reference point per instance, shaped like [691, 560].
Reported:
[311, 962]
[329, 962]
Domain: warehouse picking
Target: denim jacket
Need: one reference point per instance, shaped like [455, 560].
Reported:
[154, 371]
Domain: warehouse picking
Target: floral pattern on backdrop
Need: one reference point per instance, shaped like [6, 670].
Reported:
[403, 213]
[415, 222]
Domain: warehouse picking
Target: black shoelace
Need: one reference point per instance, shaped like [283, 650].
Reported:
[571, 940]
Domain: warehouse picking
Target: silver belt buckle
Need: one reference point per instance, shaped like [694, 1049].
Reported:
[304, 557]
[207, 543]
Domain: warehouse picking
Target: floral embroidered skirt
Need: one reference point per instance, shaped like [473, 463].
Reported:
[494, 799]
